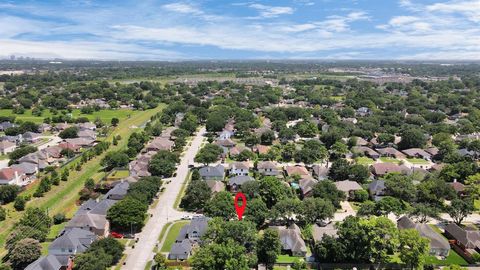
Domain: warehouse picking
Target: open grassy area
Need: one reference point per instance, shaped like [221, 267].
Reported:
[453, 258]
[364, 161]
[182, 190]
[390, 160]
[118, 174]
[283, 258]
[105, 115]
[172, 235]
[417, 161]
[63, 198]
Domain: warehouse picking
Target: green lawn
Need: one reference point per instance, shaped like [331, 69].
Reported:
[56, 229]
[105, 115]
[63, 198]
[364, 161]
[453, 258]
[390, 160]
[118, 174]
[417, 161]
[283, 258]
[172, 235]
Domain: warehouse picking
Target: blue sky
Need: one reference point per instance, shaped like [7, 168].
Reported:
[215, 29]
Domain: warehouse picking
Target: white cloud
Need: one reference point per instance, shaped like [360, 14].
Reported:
[471, 9]
[182, 8]
[271, 11]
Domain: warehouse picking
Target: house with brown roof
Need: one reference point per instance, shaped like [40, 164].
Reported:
[215, 186]
[382, 169]
[348, 187]
[390, 152]
[268, 168]
[467, 238]
[235, 151]
[318, 232]
[458, 187]
[261, 149]
[417, 153]
[320, 172]
[82, 142]
[240, 168]
[367, 151]
[7, 147]
[12, 176]
[70, 146]
[160, 143]
[296, 170]
[291, 239]
[306, 185]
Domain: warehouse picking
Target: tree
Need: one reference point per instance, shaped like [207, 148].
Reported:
[241, 232]
[127, 213]
[414, 249]
[459, 209]
[99, 260]
[109, 245]
[25, 252]
[3, 214]
[268, 247]
[400, 186]
[196, 196]
[160, 261]
[338, 150]
[224, 256]
[316, 209]
[327, 190]
[115, 159]
[286, 209]
[422, 212]
[412, 138]
[272, 190]
[360, 195]
[208, 154]
[70, 132]
[20, 203]
[8, 193]
[339, 170]
[256, 211]
[36, 218]
[358, 173]
[312, 151]
[267, 137]
[164, 163]
[114, 121]
[221, 205]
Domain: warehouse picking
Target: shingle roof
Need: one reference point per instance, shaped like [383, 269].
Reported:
[291, 238]
[6, 144]
[239, 180]
[298, 170]
[49, 262]
[180, 250]
[436, 240]
[319, 232]
[74, 239]
[212, 171]
[347, 186]
[468, 238]
[118, 191]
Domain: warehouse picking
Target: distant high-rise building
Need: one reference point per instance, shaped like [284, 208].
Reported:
[12, 57]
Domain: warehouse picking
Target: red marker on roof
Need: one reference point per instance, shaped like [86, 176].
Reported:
[240, 208]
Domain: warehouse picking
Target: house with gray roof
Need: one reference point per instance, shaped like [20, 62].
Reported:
[215, 186]
[320, 172]
[189, 236]
[71, 242]
[180, 251]
[417, 153]
[31, 137]
[212, 172]
[306, 184]
[7, 147]
[291, 240]
[49, 262]
[29, 169]
[240, 168]
[466, 238]
[348, 187]
[439, 246]
[376, 189]
[236, 182]
[5, 125]
[119, 191]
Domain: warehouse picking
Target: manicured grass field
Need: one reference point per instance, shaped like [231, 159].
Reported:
[172, 235]
[118, 174]
[417, 161]
[63, 198]
[390, 160]
[286, 258]
[364, 161]
[453, 258]
[105, 115]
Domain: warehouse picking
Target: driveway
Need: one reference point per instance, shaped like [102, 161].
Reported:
[163, 213]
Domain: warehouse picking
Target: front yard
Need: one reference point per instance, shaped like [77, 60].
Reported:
[172, 234]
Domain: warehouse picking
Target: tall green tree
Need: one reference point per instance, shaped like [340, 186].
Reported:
[268, 248]
[414, 249]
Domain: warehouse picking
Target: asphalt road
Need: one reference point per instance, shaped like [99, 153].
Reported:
[163, 213]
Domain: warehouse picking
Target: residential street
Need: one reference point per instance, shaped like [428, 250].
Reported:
[164, 212]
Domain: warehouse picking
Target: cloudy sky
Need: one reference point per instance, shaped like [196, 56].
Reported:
[216, 29]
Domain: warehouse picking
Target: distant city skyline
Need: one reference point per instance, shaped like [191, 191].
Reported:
[206, 29]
